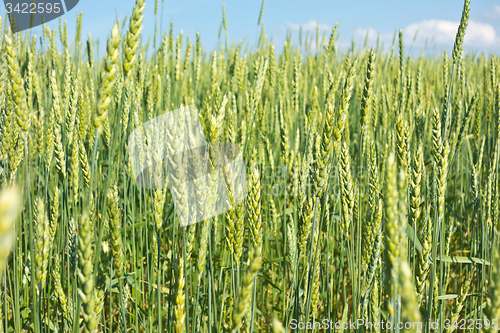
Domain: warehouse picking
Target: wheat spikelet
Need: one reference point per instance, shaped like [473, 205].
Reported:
[83, 114]
[115, 224]
[341, 114]
[119, 83]
[54, 214]
[107, 77]
[30, 77]
[78, 34]
[323, 154]
[16, 85]
[367, 93]
[67, 82]
[402, 144]
[331, 42]
[75, 170]
[59, 152]
[16, 156]
[254, 209]
[40, 135]
[8, 127]
[260, 14]
[90, 50]
[61, 296]
[401, 62]
[415, 186]
[375, 259]
[370, 232]
[84, 163]
[176, 170]
[292, 246]
[459, 38]
[180, 310]
[178, 48]
[72, 244]
[42, 243]
[374, 301]
[239, 233]
[132, 37]
[347, 195]
[315, 294]
[191, 234]
[202, 248]
[231, 213]
[127, 104]
[85, 276]
[393, 233]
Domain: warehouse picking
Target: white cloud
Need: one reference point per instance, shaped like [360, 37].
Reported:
[440, 33]
[361, 33]
[310, 26]
[479, 34]
[443, 33]
[373, 36]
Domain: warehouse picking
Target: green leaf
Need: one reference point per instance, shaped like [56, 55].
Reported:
[411, 233]
[336, 217]
[463, 260]
[270, 261]
[447, 296]
[137, 225]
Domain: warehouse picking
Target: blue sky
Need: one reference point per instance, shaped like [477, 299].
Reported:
[435, 20]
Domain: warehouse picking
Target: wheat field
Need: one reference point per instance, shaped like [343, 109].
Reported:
[372, 176]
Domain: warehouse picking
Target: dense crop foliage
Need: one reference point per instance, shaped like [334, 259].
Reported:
[373, 185]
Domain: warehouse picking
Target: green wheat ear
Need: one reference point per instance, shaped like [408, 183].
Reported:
[131, 43]
[347, 194]
[254, 209]
[115, 224]
[90, 50]
[393, 232]
[261, 11]
[108, 76]
[367, 93]
[61, 296]
[85, 275]
[459, 38]
[180, 309]
[42, 243]
[341, 115]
